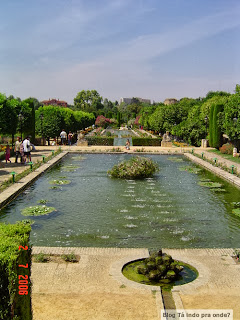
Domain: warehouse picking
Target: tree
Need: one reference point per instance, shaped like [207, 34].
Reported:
[88, 101]
[231, 121]
[8, 115]
[51, 124]
[28, 112]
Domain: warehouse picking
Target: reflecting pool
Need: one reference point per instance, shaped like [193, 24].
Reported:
[170, 210]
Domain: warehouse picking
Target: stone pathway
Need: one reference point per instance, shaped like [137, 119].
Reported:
[7, 168]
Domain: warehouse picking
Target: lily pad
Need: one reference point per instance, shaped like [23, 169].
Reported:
[236, 204]
[37, 210]
[43, 201]
[236, 212]
[219, 189]
[190, 169]
[59, 182]
[55, 188]
[210, 184]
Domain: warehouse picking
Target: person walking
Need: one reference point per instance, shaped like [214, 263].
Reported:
[27, 149]
[70, 138]
[17, 149]
[63, 136]
[7, 154]
[22, 153]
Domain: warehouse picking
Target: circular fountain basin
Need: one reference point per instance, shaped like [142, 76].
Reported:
[188, 274]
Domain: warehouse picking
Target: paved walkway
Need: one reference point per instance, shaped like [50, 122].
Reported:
[95, 289]
[7, 168]
[91, 289]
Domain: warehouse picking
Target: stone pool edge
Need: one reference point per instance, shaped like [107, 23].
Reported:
[15, 189]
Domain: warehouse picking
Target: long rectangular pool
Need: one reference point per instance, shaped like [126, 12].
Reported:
[169, 210]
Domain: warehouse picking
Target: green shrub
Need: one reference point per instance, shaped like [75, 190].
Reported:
[134, 168]
[100, 141]
[70, 257]
[41, 257]
[146, 141]
[12, 304]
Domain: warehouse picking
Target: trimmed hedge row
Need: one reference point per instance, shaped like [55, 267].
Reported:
[146, 141]
[108, 141]
[12, 304]
[100, 141]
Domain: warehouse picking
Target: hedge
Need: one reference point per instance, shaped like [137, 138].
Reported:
[100, 141]
[12, 304]
[146, 141]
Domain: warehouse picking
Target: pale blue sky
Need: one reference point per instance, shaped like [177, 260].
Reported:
[122, 48]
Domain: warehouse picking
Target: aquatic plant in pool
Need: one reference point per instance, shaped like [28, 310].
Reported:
[190, 169]
[134, 168]
[37, 210]
[236, 208]
[59, 182]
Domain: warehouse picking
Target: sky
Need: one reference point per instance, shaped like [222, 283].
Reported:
[154, 49]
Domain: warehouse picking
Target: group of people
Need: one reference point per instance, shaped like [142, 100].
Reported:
[66, 137]
[22, 150]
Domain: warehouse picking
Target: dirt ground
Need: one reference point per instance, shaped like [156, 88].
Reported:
[215, 301]
[99, 305]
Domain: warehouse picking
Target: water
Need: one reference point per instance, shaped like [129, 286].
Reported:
[121, 141]
[170, 210]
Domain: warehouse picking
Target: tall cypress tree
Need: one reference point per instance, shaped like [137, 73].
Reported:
[217, 134]
[211, 126]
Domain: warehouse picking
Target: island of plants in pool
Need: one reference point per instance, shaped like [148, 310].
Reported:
[134, 168]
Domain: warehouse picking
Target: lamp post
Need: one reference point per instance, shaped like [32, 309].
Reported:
[20, 118]
[41, 118]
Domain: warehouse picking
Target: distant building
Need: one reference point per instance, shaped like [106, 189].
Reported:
[130, 100]
[55, 102]
[170, 101]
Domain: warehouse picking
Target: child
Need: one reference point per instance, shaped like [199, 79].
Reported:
[128, 144]
[7, 156]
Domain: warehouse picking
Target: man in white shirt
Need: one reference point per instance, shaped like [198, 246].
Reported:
[27, 149]
[63, 136]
